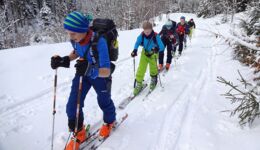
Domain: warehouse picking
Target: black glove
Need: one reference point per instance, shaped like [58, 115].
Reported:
[81, 67]
[57, 61]
[134, 53]
[155, 49]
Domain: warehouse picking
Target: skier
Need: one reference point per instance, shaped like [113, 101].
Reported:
[192, 26]
[96, 75]
[170, 39]
[152, 44]
[182, 30]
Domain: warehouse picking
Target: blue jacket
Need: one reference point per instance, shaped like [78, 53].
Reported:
[103, 55]
[148, 43]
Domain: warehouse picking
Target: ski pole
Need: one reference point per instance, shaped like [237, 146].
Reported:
[77, 112]
[175, 62]
[54, 107]
[158, 71]
[134, 65]
[134, 70]
[173, 54]
[67, 141]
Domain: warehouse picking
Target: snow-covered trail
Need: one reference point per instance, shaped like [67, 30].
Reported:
[184, 115]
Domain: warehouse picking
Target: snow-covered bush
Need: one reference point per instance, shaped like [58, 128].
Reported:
[251, 22]
[246, 98]
[249, 32]
[210, 8]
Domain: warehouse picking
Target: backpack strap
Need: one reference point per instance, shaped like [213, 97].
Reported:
[153, 37]
[92, 49]
[142, 42]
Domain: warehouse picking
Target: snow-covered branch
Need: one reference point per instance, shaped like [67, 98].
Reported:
[10, 25]
[247, 97]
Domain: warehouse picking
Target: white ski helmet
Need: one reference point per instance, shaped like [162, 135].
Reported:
[168, 24]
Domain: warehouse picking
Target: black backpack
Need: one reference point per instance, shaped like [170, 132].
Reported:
[106, 28]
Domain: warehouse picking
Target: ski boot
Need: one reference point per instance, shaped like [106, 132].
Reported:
[138, 88]
[153, 82]
[167, 66]
[179, 55]
[160, 68]
[81, 136]
[106, 129]
[173, 54]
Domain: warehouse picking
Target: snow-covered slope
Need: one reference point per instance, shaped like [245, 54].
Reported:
[184, 115]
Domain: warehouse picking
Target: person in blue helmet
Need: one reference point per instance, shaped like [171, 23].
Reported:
[95, 72]
[170, 39]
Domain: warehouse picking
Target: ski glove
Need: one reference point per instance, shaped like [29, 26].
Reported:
[81, 67]
[172, 36]
[57, 61]
[176, 44]
[134, 53]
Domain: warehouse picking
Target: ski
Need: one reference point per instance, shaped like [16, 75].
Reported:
[90, 139]
[127, 100]
[177, 57]
[98, 142]
[147, 95]
[160, 71]
[164, 72]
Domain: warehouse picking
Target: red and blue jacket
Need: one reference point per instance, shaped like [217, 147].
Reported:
[182, 29]
[84, 50]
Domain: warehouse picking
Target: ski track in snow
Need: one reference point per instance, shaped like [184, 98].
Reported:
[179, 112]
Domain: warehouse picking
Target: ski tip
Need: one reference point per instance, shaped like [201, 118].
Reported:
[121, 107]
[126, 115]
[100, 138]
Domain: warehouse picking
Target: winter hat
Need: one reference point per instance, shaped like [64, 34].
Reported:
[76, 22]
[182, 17]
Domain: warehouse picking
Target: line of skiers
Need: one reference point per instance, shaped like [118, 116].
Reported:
[94, 52]
[171, 36]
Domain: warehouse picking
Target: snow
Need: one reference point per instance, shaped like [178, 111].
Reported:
[184, 115]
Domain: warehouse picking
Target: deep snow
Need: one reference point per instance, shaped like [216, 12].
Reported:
[184, 115]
